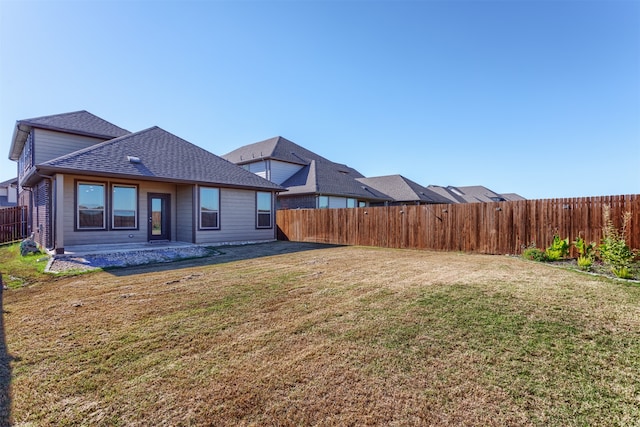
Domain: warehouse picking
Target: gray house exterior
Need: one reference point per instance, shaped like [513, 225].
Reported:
[311, 180]
[89, 181]
[9, 193]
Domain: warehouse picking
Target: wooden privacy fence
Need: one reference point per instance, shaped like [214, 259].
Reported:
[13, 224]
[488, 228]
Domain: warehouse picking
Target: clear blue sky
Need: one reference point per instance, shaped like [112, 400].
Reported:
[541, 98]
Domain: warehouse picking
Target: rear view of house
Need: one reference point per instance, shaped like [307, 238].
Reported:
[86, 180]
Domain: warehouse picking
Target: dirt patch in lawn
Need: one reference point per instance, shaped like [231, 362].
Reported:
[303, 334]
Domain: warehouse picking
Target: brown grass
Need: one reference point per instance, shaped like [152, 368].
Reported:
[326, 336]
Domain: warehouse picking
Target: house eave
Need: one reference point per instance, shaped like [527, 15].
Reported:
[20, 135]
[49, 171]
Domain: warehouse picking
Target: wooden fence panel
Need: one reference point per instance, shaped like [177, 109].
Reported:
[13, 224]
[491, 228]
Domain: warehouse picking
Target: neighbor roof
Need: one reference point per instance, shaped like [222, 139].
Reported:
[12, 181]
[476, 193]
[512, 197]
[319, 175]
[331, 179]
[162, 156]
[473, 194]
[278, 148]
[77, 122]
[402, 189]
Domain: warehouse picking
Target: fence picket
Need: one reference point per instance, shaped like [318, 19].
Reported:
[13, 224]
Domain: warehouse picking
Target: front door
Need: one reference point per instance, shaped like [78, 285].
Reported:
[159, 218]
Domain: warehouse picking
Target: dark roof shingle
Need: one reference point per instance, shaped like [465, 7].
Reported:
[163, 156]
[81, 122]
[402, 189]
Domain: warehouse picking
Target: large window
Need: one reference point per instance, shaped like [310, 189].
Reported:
[209, 208]
[125, 207]
[263, 202]
[323, 202]
[91, 206]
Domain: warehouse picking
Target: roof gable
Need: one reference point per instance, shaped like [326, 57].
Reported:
[277, 148]
[162, 156]
[77, 122]
[81, 122]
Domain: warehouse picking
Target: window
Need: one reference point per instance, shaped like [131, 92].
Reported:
[263, 201]
[125, 207]
[209, 208]
[91, 206]
[351, 203]
[362, 204]
[323, 202]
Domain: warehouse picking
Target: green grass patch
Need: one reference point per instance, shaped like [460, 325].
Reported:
[18, 270]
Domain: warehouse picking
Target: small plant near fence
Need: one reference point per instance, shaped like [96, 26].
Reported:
[534, 254]
[586, 253]
[613, 249]
[613, 253]
[559, 249]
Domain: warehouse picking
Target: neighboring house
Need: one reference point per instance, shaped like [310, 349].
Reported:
[9, 193]
[472, 194]
[403, 191]
[88, 181]
[312, 181]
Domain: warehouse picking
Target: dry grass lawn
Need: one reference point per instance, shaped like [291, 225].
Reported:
[299, 334]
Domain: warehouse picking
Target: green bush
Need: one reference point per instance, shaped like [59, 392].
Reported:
[559, 249]
[585, 252]
[534, 254]
[585, 262]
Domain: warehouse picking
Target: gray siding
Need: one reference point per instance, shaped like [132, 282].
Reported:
[72, 237]
[237, 220]
[50, 144]
[281, 171]
[184, 213]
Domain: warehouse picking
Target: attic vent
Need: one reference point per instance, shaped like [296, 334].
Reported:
[133, 159]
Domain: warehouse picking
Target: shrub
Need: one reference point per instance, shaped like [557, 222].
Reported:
[585, 262]
[585, 252]
[613, 249]
[534, 254]
[559, 248]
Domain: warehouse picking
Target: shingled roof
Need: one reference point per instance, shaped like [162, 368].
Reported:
[473, 194]
[155, 154]
[277, 148]
[402, 189]
[77, 122]
[319, 175]
[332, 179]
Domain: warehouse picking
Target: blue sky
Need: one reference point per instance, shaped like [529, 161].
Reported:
[541, 98]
